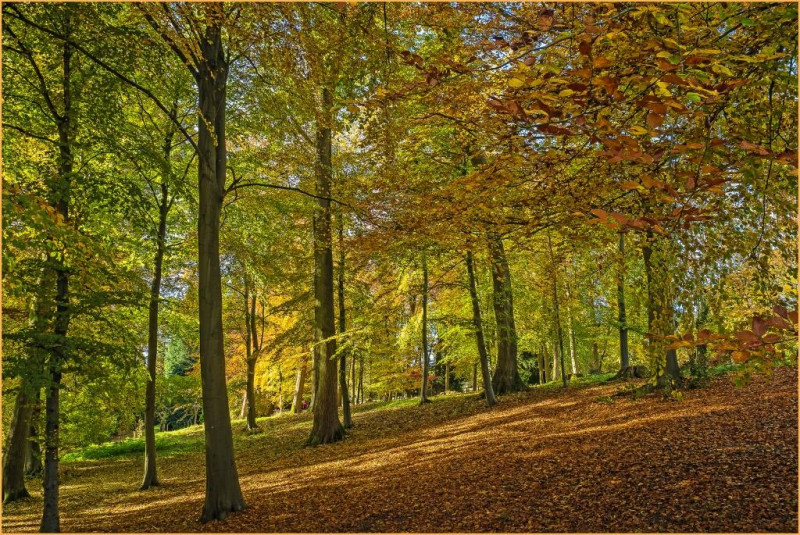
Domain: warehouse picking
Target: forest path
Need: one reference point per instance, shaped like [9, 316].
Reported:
[723, 459]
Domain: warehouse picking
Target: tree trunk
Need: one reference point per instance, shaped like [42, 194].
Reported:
[556, 316]
[297, 401]
[14, 458]
[477, 323]
[660, 318]
[150, 477]
[361, 378]
[252, 358]
[506, 376]
[243, 409]
[21, 453]
[326, 427]
[33, 459]
[345, 395]
[251, 395]
[223, 493]
[542, 370]
[573, 346]
[423, 397]
[58, 352]
[624, 359]
[446, 377]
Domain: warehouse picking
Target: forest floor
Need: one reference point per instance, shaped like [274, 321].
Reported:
[581, 459]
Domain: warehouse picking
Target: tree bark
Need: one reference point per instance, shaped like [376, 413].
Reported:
[14, 458]
[506, 375]
[624, 359]
[423, 397]
[326, 427]
[20, 459]
[556, 315]
[150, 478]
[33, 459]
[360, 395]
[345, 395]
[542, 370]
[660, 318]
[477, 323]
[572, 343]
[297, 401]
[252, 357]
[58, 352]
[223, 493]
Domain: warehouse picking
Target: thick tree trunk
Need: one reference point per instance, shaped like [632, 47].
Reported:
[660, 318]
[223, 493]
[150, 477]
[624, 359]
[423, 396]
[15, 454]
[345, 395]
[22, 456]
[477, 323]
[326, 427]
[506, 376]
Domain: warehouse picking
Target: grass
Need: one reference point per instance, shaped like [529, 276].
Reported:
[190, 439]
[185, 440]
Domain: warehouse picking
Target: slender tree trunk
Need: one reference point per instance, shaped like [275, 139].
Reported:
[556, 316]
[297, 402]
[361, 378]
[423, 398]
[446, 377]
[33, 459]
[150, 478]
[345, 395]
[542, 371]
[353, 378]
[477, 323]
[243, 409]
[326, 427]
[58, 352]
[624, 359]
[252, 358]
[223, 493]
[572, 344]
[506, 375]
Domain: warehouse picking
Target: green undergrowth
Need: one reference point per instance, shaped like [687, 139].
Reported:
[168, 443]
[191, 440]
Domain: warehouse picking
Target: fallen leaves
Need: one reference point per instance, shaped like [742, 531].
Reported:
[724, 459]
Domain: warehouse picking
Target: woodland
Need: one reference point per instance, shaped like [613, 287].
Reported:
[350, 266]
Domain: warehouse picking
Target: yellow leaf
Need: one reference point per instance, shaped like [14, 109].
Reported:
[516, 82]
[638, 131]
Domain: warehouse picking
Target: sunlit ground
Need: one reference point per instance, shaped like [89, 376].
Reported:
[723, 459]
